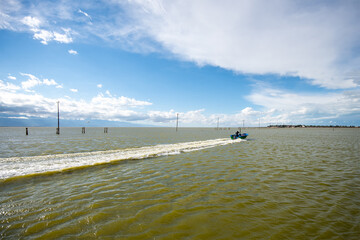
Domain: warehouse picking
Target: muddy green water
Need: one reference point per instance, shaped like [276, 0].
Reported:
[279, 184]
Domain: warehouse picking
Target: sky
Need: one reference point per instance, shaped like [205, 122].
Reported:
[143, 62]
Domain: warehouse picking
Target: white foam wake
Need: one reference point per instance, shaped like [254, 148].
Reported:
[20, 166]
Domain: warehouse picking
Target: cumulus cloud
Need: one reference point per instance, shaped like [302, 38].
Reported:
[285, 106]
[50, 82]
[199, 117]
[11, 77]
[73, 90]
[6, 86]
[99, 107]
[162, 116]
[44, 35]
[99, 85]
[118, 101]
[33, 81]
[47, 36]
[16, 100]
[277, 107]
[32, 22]
[72, 52]
[63, 37]
[22, 100]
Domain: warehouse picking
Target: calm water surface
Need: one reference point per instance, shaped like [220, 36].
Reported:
[278, 184]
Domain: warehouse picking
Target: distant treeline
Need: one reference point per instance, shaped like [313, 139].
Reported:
[310, 126]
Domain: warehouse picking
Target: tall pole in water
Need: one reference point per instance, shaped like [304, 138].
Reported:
[58, 128]
[177, 121]
[243, 123]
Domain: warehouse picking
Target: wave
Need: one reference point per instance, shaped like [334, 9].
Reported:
[23, 166]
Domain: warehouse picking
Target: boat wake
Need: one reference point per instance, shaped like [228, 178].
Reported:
[23, 166]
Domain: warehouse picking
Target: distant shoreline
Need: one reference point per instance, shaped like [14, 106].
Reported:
[310, 126]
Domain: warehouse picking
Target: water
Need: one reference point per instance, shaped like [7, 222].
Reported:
[154, 183]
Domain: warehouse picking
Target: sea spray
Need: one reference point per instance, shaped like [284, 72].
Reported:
[22, 166]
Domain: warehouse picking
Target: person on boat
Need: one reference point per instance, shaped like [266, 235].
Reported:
[237, 134]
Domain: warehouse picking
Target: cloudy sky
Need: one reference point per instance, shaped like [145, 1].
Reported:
[145, 61]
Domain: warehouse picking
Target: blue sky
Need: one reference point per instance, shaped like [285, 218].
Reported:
[142, 62]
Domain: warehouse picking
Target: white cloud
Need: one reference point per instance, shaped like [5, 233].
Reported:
[47, 36]
[73, 52]
[196, 117]
[32, 22]
[284, 106]
[99, 107]
[11, 77]
[14, 101]
[305, 39]
[33, 81]
[84, 13]
[73, 90]
[8, 86]
[26, 104]
[278, 107]
[200, 118]
[44, 33]
[19, 117]
[44, 36]
[50, 82]
[100, 99]
[63, 38]
[162, 116]
[99, 85]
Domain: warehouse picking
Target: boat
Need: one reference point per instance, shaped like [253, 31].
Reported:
[241, 136]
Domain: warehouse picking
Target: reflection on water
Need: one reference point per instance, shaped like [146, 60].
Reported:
[280, 184]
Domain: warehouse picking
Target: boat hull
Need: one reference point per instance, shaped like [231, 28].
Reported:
[241, 136]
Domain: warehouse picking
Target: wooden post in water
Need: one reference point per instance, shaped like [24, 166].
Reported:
[27, 132]
[177, 121]
[83, 130]
[105, 130]
[58, 128]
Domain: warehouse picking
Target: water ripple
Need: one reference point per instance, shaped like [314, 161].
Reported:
[274, 187]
